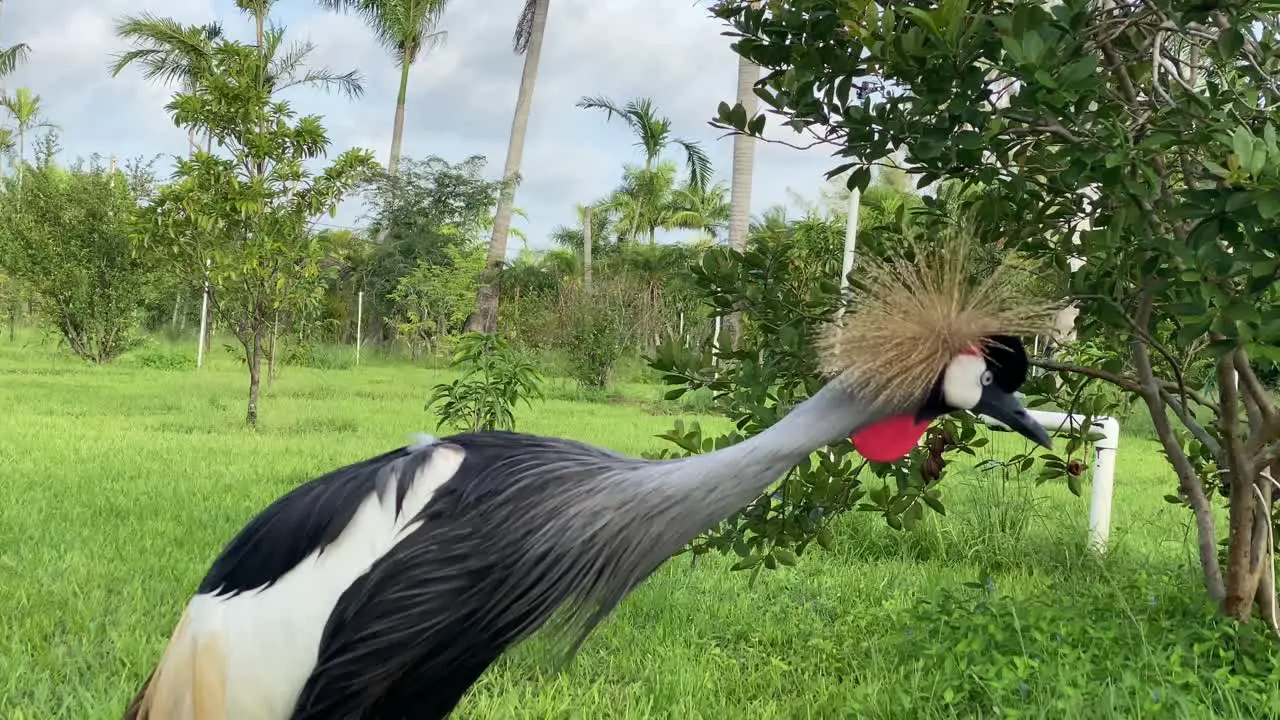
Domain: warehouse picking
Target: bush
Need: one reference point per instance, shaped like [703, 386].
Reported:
[164, 358]
[65, 238]
[599, 331]
[495, 376]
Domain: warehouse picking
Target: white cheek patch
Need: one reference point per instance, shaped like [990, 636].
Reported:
[962, 382]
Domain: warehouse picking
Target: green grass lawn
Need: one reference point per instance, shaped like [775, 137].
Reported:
[119, 485]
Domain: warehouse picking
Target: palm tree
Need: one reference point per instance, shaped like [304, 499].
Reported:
[647, 191]
[707, 210]
[653, 134]
[405, 28]
[24, 106]
[744, 153]
[643, 203]
[168, 51]
[527, 41]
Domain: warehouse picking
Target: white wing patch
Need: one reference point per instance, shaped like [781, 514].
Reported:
[247, 657]
[962, 381]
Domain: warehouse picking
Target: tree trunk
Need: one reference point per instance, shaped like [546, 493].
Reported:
[255, 377]
[397, 127]
[485, 317]
[744, 151]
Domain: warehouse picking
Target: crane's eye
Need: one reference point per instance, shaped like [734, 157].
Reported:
[987, 377]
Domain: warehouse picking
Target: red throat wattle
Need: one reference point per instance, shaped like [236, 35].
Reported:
[889, 440]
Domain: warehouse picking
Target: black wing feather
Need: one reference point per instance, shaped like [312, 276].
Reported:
[306, 519]
[415, 632]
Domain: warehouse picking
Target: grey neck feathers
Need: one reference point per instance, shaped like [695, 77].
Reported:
[611, 520]
[725, 480]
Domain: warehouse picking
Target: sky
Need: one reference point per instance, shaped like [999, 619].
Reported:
[460, 100]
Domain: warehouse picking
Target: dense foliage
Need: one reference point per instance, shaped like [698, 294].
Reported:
[1139, 138]
[66, 239]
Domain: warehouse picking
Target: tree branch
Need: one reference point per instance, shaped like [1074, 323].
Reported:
[1192, 425]
[1121, 381]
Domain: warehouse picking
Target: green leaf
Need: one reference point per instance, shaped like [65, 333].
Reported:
[1230, 41]
[1242, 144]
[1269, 204]
[860, 178]
[934, 503]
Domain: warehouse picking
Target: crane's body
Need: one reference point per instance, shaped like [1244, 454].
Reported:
[383, 590]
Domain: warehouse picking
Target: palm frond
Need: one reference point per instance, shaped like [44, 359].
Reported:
[698, 162]
[167, 50]
[285, 68]
[13, 56]
[524, 28]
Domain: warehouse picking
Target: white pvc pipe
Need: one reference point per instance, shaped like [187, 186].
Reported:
[359, 323]
[1104, 466]
[850, 238]
[204, 318]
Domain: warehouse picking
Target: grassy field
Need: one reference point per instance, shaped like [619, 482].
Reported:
[119, 485]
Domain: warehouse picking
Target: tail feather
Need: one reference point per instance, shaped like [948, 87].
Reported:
[189, 682]
[136, 710]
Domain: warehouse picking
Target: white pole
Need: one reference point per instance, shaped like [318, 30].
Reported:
[715, 342]
[359, 323]
[1104, 476]
[850, 238]
[204, 318]
[1104, 466]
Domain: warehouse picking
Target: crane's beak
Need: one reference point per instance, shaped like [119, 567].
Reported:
[1004, 408]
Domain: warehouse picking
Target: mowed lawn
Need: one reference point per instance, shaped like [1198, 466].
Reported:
[119, 485]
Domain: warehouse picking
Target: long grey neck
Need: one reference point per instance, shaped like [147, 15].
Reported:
[725, 480]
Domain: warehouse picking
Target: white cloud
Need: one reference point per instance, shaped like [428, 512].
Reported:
[461, 96]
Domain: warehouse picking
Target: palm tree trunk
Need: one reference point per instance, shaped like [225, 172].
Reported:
[744, 151]
[485, 317]
[586, 249]
[397, 128]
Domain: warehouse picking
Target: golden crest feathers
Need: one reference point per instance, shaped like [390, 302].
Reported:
[911, 313]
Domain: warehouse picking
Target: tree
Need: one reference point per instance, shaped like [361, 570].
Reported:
[405, 28]
[66, 238]
[244, 220]
[653, 136]
[24, 107]
[429, 207]
[707, 210]
[1140, 138]
[527, 41]
[434, 299]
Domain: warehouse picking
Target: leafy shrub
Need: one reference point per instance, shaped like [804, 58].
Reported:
[162, 358]
[785, 286]
[598, 332]
[319, 357]
[495, 376]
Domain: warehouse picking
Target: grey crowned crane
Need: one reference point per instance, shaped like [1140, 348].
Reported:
[384, 589]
